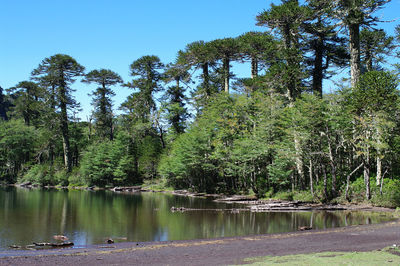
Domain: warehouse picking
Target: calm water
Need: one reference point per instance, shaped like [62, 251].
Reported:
[28, 216]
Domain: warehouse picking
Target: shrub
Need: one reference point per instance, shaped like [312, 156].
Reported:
[41, 174]
[390, 194]
[282, 195]
[305, 196]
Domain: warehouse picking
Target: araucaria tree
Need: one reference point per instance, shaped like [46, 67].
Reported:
[147, 77]
[354, 14]
[102, 100]
[27, 103]
[61, 70]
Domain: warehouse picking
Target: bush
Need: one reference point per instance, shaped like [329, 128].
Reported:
[41, 174]
[357, 190]
[281, 195]
[46, 175]
[305, 196]
[75, 179]
[390, 194]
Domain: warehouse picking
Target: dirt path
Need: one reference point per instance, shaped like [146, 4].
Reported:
[216, 251]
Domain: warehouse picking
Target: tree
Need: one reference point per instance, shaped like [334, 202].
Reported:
[61, 70]
[259, 48]
[286, 19]
[102, 100]
[374, 45]
[354, 14]
[147, 77]
[200, 55]
[28, 100]
[17, 142]
[3, 107]
[174, 104]
[323, 42]
[227, 49]
[374, 104]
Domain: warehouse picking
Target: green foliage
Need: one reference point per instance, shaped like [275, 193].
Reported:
[283, 195]
[304, 196]
[102, 100]
[390, 196]
[97, 168]
[17, 143]
[46, 175]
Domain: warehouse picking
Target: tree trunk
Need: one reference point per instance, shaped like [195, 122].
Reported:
[318, 68]
[325, 183]
[378, 169]
[52, 124]
[206, 78]
[311, 178]
[226, 73]
[378, 160]
[299, 162]
[64, 130]
[366, 177]
[354, 30]
[177, 80]
[254, 67]
[333, 169]
[368, 59]
[348, 180]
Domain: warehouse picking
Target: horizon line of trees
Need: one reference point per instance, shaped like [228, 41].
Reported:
[277, 132]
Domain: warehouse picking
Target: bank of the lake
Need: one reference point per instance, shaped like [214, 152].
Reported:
[220, 251]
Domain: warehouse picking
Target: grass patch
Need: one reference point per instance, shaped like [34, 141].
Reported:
[157, 185]
[384, 257]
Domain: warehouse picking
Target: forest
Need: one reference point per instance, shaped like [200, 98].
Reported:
[192, 124]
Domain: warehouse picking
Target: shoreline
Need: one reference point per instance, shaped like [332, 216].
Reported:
[229, 250]
[250, 202]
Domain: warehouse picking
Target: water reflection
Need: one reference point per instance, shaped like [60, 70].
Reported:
[87, 217]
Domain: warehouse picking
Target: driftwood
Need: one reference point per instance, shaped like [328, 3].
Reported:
[293, 206]
[304, 228]
[237, 198]
[183, 209]
[54, 245]
[127, 189]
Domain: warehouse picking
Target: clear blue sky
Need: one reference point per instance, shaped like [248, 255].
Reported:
[112, 34]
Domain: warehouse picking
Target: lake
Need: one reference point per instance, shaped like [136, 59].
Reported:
[91, 217]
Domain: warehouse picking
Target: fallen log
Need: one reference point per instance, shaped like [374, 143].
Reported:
[304, 228]
[56, 245]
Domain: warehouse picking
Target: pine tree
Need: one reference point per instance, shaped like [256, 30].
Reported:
[354, 14]
[3, 105]
[374, 46]
[28, 101]
[61, 70]
[147, 78]
[227, 50]
[177, 113]
[200, 55]
[102, 100]
[286, 19]
[323, 42]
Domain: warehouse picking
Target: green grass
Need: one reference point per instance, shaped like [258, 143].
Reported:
[157, 185]
[384, 257]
